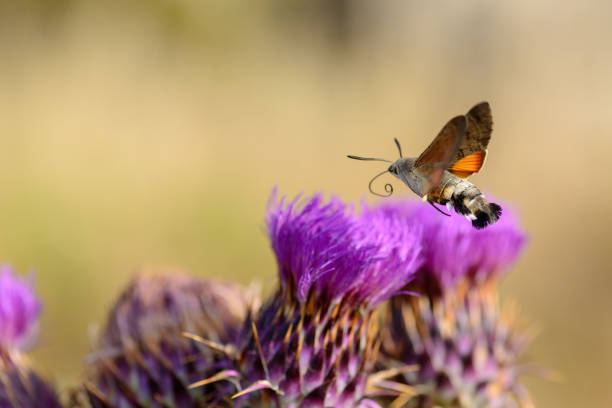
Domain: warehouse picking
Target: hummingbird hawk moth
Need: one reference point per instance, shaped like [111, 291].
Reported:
[439, 174]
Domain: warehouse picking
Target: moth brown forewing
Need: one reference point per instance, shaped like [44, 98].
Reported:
[439, 174]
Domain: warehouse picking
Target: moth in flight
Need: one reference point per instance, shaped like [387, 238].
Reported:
[439, 174]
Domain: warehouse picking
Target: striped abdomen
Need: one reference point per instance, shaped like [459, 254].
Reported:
[467, 199]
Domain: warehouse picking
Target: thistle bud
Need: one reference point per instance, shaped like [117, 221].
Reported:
[163, 334]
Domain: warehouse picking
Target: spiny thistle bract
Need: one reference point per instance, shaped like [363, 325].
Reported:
[145, 359]
[20, 385]
[314, 342]
[464, 349]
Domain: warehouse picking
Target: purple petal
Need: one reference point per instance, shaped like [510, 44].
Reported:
[329, 249]
[19, 310]
[453, 249]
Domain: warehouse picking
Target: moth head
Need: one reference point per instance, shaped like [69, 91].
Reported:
[393, 169]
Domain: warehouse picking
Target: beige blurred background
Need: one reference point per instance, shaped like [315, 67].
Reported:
[148, 134]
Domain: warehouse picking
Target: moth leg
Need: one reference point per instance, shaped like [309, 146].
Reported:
[439, 210]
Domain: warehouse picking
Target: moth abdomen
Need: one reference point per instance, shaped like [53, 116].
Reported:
[467, 200]
[459, 203]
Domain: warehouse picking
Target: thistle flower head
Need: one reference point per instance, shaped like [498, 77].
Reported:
[20, 386]
[327, 250]
[19, 310]
[143, 357]
[313, 342]
[464, 348]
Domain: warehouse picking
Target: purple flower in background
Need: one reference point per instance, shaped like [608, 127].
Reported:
[313, 343]
[465, 349]
[20, 386]
[19, 310]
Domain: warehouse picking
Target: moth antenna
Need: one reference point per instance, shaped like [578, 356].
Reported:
[388, 187]
[398, 146]
[439, 210]
[350, 156]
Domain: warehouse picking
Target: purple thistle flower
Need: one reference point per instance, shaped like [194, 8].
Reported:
[20, 386]
[464, 349]
[19, 310]
[328, 250]
[313, 343]
[144, 357]
[454, 251]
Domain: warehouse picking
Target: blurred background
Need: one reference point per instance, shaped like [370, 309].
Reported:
[147, 135]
